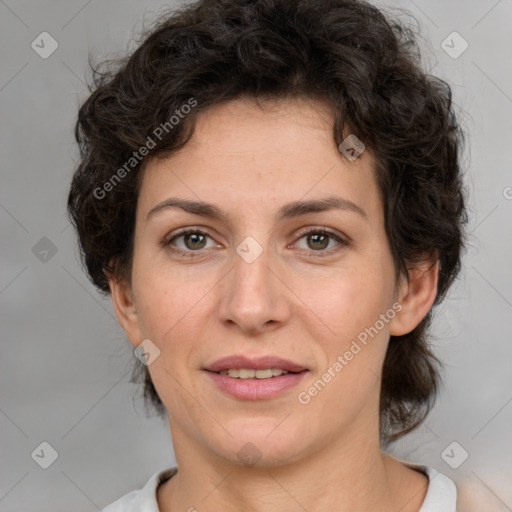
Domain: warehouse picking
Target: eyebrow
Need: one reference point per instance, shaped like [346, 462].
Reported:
[288, 211]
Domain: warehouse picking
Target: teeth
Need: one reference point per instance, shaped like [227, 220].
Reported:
[246, 373]
[263, 374]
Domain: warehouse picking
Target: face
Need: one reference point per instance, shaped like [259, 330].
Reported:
[263, 278]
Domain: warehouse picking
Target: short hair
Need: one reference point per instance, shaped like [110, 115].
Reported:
[364, 63]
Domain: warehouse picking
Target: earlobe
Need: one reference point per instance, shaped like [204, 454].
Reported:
[416, 296]
[124, 307]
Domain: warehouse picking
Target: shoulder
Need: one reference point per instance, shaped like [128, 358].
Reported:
[142, 500]
[468, 493]
[441, 494]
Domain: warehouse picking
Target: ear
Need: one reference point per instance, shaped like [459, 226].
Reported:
[416, 297]
[125, 309]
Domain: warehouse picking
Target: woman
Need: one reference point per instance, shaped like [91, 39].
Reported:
[271, 193]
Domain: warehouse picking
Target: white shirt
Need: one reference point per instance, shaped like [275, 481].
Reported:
[441, 494]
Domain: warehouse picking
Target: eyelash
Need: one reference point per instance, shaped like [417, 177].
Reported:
[319, 253]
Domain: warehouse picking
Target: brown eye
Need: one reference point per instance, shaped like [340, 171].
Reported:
[318, 241]
[188, 241]
[194, 241]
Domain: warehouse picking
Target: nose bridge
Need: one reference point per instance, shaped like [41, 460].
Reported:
[254, 296]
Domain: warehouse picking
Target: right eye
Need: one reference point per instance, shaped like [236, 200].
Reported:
[188, 240]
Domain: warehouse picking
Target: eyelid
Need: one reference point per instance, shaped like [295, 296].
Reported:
[326, 231]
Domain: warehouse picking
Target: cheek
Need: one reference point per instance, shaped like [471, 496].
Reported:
[172, 317]
[350, 301]
[167, 297]
[352, 357]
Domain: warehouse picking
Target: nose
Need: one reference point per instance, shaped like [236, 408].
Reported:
[254, 297]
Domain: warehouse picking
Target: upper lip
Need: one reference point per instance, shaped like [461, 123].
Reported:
[255, 363]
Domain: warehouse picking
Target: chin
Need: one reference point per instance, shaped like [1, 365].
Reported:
[261, 445]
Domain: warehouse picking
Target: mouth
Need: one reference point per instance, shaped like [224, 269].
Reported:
[244, 365]
[255, 379]
[249, 373]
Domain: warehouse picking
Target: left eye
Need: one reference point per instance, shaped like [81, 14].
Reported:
[318, 240]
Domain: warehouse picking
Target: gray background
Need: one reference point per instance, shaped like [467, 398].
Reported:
[65, 362]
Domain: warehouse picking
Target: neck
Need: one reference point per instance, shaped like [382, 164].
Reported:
[344, 476]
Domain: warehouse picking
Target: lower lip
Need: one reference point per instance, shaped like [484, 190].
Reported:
[256, 389]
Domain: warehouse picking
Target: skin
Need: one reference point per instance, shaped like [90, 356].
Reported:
[250, 160]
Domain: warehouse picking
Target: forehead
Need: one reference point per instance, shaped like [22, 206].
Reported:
[257, 156]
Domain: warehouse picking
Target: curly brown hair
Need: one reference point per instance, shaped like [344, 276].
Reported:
[364, 63]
